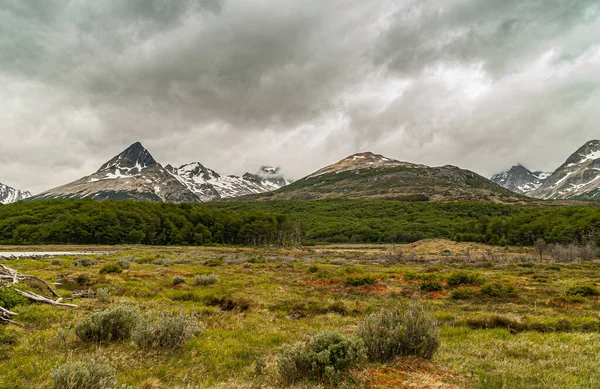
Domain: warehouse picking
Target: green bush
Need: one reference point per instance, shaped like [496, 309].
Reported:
[402, 331]
[465, 278]
[178, 280]
[87, 374]
[165, 331]
[313, 268]
[112, 324]
[111, 267]
[360, 280]
[206, 279]
[464, 294]
[431, 286]
[83, 262]
[124, 264]
[498, 290]
[9, 298]
[102, 294]
[321, 358]
[584, 291]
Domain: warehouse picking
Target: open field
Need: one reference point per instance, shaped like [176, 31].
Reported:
[524, 323]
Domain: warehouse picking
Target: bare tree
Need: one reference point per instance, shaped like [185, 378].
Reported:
[540, 246]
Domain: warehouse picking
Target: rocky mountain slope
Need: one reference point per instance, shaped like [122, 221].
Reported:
[11, 195]
[519, 179]
[577, 178]
[368, 175]
[135, 174]
[208, 185]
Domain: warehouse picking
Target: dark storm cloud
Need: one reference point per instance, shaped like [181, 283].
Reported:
[236, 84]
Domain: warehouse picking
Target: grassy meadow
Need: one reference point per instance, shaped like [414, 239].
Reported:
[507, 319]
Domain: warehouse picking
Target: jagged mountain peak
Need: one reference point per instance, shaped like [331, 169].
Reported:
[133, 160]
[196, 169]
[10, 195]
[519, 179]
[588, 152]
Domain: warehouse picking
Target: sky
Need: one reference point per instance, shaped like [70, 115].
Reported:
[235, 84]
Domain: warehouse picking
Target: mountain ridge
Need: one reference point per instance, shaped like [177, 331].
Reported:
[9, 195]
[135, 174]
[374, 176]
[577, 178]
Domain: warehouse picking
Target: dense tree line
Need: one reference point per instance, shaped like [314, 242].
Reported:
[291, 222]
[128, 222]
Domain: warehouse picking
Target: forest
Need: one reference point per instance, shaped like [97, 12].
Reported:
[289, 223]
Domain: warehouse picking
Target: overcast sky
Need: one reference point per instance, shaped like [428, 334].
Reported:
[482, 84]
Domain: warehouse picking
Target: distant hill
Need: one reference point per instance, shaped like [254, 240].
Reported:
[373, 176]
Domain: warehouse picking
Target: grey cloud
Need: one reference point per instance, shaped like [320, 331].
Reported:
[237, 84]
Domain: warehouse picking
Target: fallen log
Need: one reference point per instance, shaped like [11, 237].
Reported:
[10, 277]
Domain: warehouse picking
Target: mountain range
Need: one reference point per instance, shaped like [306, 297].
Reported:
[135, 174]
[578, 178]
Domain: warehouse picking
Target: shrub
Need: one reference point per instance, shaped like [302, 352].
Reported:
[215, 262]
[9, 298]
[322, 357]
[465, 278]
[464, 294]
[498, 290]
[228, 304]
[402, 331]
[111, 267]
[87, 374]
[124, 264]
[112, 324]
[102, 294]
[177, 280]
[165, 331]
[83, 262]
[360, 280]
[206, 279]
[313, 268]
[584, 291]
[431, 286]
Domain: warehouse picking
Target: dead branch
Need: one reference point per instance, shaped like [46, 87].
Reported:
[10, 277]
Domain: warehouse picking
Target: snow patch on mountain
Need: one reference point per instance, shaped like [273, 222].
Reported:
[10, 195]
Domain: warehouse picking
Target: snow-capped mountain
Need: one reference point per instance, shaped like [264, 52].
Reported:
[578, 177]
[519, 179]
[135, 174]
[11, 195]
[209, 185]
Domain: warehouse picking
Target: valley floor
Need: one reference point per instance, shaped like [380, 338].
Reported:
[525, 324]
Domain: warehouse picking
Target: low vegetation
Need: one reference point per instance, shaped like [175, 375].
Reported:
[322, 358]
[433, 314]
[91, 373]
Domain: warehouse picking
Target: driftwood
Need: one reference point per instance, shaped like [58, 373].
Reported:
[83, 293]
[10, 277]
